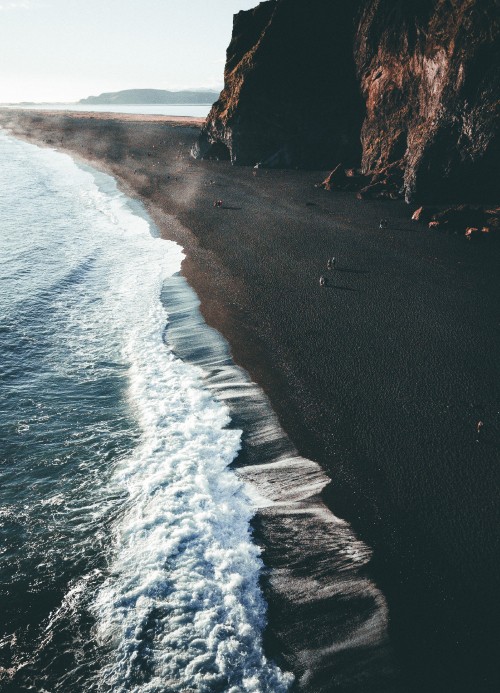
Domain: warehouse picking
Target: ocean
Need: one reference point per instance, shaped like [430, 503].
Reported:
[192, 110]
[126, 555]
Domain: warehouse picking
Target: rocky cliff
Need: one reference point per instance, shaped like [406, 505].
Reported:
[413, 85]
[430, 76]
[276, 106]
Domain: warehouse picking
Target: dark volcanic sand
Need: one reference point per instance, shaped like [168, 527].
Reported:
[381, 376]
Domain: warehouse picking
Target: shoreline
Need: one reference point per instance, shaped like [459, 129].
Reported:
[345, 613]
[339, 368]
[109, 115]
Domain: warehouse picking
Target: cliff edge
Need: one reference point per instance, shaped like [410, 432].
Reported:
[277, 108]
[413, 86]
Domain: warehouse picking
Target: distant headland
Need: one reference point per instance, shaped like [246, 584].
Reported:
[153, 96]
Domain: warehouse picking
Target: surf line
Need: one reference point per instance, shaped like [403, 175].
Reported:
[313, 560]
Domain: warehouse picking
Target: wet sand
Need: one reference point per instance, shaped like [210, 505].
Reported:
[380, 377]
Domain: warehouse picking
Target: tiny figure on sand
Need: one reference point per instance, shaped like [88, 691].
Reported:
[330, 264]
[217, 203]
[384, 223]
[322, 280]
[479, 428]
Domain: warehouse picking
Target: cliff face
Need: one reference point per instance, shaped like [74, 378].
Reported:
[430, 77]
[372, 83]
[276, 106]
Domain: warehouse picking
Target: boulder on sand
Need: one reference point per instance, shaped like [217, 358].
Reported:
[423, 214]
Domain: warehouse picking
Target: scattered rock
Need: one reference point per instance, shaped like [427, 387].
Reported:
[475, 222]
[374, 190]
[344, 179]
[334, 179]
[493, 219]
[471, 232]
[423, 214]
[460, 217]
[384, 184]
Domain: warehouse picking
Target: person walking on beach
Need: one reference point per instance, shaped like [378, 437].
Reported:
[329, 264]
[479, 428]
[383, 224]
[322, 280]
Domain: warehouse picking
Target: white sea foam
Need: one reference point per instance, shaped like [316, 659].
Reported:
[183, 601]
[184, 591]
[178, 605]
[182, 608]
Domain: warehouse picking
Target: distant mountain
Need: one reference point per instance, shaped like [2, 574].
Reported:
[153, 96]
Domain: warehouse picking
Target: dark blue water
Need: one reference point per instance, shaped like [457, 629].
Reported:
[126, 561]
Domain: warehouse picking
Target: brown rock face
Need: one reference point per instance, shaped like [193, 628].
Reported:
[290, 95]
[430, 76]
[428, 72]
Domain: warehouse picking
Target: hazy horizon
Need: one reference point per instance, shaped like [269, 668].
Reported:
[172, 91]
[66, 50]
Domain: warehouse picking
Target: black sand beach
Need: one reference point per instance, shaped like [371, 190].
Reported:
[381, 376]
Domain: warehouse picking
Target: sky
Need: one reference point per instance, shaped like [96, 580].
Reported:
[65, 50]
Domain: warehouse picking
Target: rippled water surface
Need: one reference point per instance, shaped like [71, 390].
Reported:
[126, 561]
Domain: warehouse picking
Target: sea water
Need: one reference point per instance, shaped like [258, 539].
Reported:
[126, 556]
[182, 110]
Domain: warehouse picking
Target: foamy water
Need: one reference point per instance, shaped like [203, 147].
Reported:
[119, 509]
